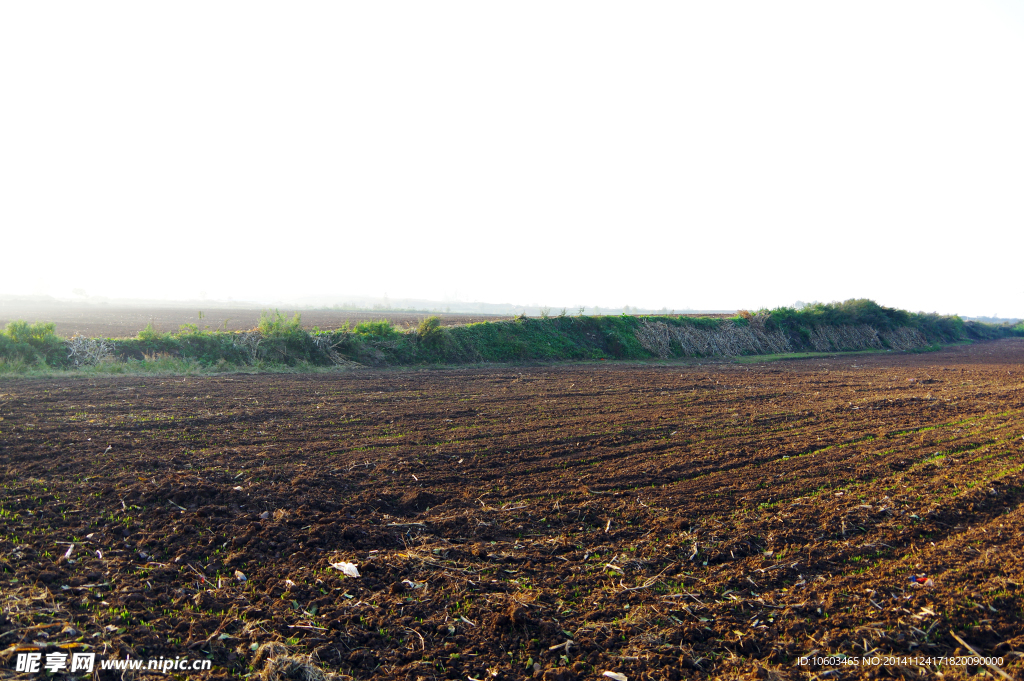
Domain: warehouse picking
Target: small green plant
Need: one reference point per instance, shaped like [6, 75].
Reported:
[151, 334]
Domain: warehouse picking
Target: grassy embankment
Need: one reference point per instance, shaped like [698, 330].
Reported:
[280, 344]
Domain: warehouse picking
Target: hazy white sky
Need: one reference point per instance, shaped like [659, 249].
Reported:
[706, 155]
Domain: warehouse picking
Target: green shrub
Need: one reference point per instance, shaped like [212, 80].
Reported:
[12, 351]
[33, 343]
[34, 334]
[850, 312]
[800, 323]
[277, 324]
[941, 328]
[378, 329]
[985, 331]
[429, 326]
[430, 332]
[616, 346]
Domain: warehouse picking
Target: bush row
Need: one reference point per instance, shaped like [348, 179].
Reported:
[278, 340]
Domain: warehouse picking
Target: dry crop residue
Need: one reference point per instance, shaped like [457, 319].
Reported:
[654, 521]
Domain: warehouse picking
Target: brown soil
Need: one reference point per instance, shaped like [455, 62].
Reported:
[694, 521]
[97, 321]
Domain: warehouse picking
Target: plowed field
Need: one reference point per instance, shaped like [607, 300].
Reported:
[658, 521]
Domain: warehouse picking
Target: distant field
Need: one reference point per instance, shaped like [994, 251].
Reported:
[117, 322]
